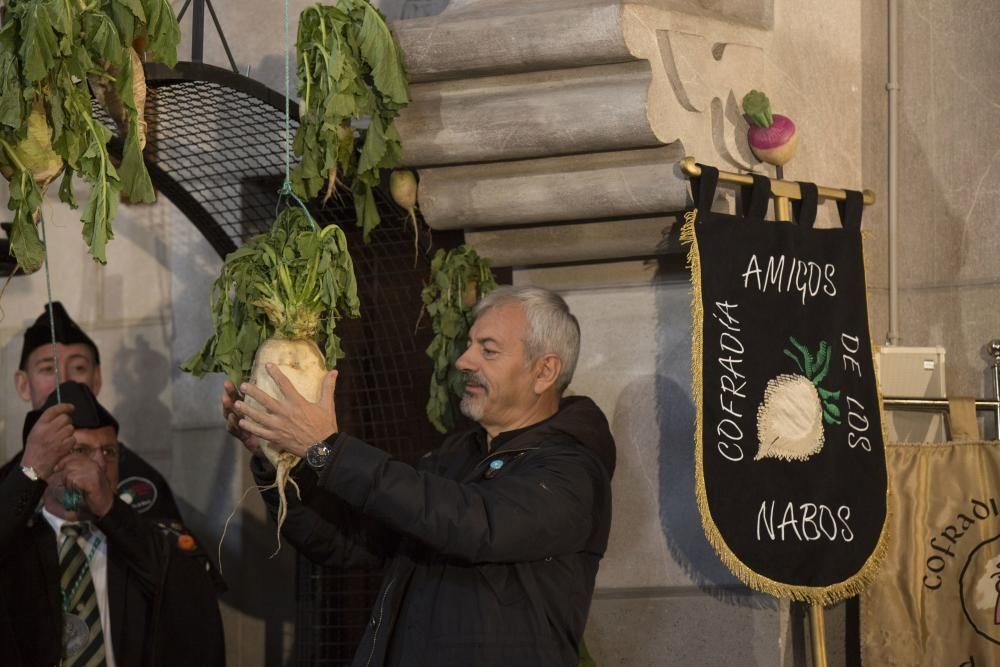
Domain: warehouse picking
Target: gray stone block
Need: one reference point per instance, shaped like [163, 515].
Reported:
[640, 182]
[538, 114]
[683, 628]
[582, 242]
[475, 39]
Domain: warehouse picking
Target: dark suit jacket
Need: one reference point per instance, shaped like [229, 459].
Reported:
[163, 608]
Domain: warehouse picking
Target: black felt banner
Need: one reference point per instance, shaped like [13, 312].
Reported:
[790, 462]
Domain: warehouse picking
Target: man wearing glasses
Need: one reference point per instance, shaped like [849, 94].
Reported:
[84, 578]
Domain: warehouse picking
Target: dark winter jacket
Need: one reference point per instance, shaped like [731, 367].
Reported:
[490, 556]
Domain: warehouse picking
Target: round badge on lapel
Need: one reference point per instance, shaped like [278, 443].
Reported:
[138, 492]
[494, 468]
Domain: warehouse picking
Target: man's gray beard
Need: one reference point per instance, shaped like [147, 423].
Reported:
[472, 408]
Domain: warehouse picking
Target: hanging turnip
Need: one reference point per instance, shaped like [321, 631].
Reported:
[30, 165]
[790, 420]
[349, 67]
[49, 52]
[772, 137]
[278, 296]
[304, 366]
[34, 152]
[103, 87]
[403, 187]
[459, 279]
[345, 151]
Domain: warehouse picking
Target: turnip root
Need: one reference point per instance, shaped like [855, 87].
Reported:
[106, 95]
[471, 294]
[331, 184]
[345, 149]
[790, 420]
[772, 137]
[139, 93]
[35, 151]
[403, 187]
[302, 363]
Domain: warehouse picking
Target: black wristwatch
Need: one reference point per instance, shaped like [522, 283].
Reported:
[318, 455]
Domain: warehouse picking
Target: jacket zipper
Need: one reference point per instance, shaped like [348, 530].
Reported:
[378, 623]
[381, 609]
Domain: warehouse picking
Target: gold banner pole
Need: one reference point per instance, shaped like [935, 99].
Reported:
[817, 634]
[780, 189]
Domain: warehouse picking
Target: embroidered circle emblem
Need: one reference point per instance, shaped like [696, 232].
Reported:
[980, 589]
[137, 492]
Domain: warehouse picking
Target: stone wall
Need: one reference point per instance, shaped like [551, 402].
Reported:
[949, 156]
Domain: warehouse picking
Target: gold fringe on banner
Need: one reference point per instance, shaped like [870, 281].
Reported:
[822, 595]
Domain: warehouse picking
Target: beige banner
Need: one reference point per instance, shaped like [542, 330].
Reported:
[936, 599]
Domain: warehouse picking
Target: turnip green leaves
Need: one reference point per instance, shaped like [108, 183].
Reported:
[294, 281]
[49, 51]
[459, 278]
[349, 68]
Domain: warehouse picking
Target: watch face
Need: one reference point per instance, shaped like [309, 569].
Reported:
[317, 454]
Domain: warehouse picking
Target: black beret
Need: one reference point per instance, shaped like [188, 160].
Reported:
[68, 332]
[88, 413]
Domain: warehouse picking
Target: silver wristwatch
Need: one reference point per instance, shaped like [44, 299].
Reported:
[318, 454]
[30, 473]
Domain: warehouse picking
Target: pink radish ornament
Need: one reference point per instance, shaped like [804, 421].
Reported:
[772, 137]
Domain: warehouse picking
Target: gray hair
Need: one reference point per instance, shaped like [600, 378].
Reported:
[552, 329]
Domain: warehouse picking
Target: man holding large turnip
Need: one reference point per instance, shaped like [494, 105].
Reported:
[491, 543]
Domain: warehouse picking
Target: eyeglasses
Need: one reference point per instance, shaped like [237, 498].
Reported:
[109, 452]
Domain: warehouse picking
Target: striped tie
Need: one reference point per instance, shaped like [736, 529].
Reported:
[78, 586]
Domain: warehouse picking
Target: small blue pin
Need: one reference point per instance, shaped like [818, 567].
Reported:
[494, 468]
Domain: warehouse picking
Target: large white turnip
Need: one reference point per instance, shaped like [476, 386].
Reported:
[304, 366]
[278, 296]
[790, 419]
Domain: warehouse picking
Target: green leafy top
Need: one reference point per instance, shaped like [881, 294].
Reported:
[163, 34]
[815, 368]
[349, 67]
[49, 49]
[758, 108]
[294, 281]
[459, 278]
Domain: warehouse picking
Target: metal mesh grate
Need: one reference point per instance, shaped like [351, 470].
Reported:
[214, 141]
[216, 150]
[381, 400]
